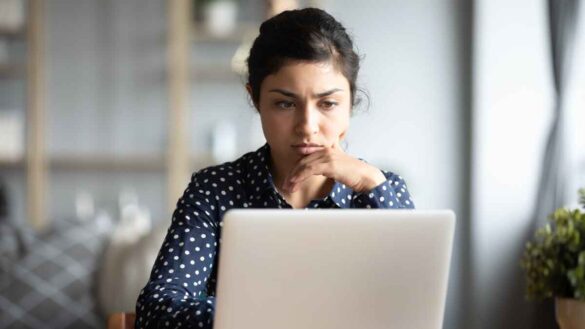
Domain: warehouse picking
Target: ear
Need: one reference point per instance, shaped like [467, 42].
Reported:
[249, 90]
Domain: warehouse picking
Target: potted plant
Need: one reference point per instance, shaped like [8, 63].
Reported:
[554, 265]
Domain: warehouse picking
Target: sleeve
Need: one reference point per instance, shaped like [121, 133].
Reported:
[176, 293]
[391, 194]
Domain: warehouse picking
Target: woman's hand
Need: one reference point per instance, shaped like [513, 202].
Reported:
[334, 163]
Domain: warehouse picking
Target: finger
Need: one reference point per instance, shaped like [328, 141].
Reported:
[337, 146]
[310, 158]
[319, 156]
[315, 156]
[317, 166]
[306, 172]
[335, 165]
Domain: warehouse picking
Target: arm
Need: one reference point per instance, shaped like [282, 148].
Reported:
[176, 293]
[391, 193]
[374, 188]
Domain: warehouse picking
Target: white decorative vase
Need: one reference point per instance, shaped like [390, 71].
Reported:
[220, 17]
[570, 313]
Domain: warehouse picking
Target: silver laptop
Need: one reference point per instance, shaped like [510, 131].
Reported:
[333, 269]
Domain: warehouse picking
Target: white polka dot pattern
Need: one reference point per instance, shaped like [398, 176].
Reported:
[181, 289]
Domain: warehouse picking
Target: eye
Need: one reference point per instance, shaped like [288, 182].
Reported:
[285, 105]
[328, 105]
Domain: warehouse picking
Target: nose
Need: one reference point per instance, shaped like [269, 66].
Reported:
[307, 121]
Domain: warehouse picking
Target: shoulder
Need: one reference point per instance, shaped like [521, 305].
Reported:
[226, 174]
[213, 179]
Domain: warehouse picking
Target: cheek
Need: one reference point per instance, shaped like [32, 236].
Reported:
[342, 129]
[266, 124]
[345, 123]
[271, 126]
[337, 124]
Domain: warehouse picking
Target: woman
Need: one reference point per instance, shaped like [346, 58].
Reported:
[302, 81]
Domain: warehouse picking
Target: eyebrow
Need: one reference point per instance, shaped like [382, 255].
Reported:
[291, 94]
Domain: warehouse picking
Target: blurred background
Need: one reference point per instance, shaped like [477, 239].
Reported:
[107, 106]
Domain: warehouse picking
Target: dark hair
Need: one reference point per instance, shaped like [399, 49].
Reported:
[308, 34]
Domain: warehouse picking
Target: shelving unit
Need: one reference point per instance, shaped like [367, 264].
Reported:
[176, 163]
[36, 167]
[36, 163]
[176, 160]
[12, 70]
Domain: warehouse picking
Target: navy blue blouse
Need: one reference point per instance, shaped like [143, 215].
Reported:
[181, 290]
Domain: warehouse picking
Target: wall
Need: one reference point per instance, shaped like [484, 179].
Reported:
[416, 69]
[512, 110]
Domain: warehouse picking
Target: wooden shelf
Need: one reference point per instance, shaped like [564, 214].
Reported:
[11, 70]
[12, 33]
[11, 163]
[107, 163]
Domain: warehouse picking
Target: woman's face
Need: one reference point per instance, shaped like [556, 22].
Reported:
[304, 107]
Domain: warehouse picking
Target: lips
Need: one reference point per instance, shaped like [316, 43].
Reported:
[307, 148]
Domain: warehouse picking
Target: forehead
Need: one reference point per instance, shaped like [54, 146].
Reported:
[309, 76]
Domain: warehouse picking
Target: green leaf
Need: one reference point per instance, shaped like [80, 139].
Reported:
[554, 260]
[582, 258]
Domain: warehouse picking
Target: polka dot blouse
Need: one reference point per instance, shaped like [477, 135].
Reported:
[181, 290]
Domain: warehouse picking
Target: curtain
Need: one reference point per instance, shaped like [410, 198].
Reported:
[551, 188]
[562, 16]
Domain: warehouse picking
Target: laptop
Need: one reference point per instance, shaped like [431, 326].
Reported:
[333, 269]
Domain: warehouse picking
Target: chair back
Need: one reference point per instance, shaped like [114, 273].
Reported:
[121, 321]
